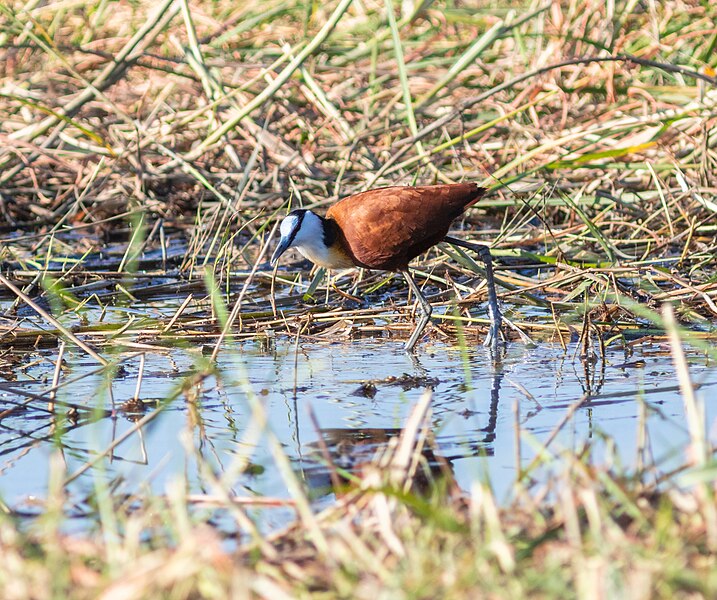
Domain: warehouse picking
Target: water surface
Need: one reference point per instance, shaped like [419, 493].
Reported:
[361, 393]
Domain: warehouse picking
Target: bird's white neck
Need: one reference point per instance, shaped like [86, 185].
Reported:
[310, 240]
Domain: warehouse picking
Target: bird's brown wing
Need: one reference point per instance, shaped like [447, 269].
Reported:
[387, 227]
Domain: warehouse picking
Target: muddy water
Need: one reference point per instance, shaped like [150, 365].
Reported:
[360, 392]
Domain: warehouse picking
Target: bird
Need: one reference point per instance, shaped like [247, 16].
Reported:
[384, 229]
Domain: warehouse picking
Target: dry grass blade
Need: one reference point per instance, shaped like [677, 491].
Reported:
[280, 80]
[54, 322]
[136, 46]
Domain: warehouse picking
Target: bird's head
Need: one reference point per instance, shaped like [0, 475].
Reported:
[303, 230]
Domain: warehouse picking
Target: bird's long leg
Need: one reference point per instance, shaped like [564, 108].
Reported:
[494, 314]
[425, 311]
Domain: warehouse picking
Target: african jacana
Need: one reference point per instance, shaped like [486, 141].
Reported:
[385, 229]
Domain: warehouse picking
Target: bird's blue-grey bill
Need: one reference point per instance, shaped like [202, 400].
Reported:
[280, 249]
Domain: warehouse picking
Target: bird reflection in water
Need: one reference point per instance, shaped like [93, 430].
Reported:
[342, 453]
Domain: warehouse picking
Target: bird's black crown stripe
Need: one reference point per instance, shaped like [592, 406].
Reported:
[299, 214]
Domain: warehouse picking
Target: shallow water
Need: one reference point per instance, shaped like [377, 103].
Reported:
[361, 393]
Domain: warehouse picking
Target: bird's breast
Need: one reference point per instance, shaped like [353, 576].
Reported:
[331, 257]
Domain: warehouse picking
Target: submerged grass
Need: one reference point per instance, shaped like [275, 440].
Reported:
[147, 151]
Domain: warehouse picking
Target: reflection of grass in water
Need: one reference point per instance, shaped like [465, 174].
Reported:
[586, 526]
[193, 125]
